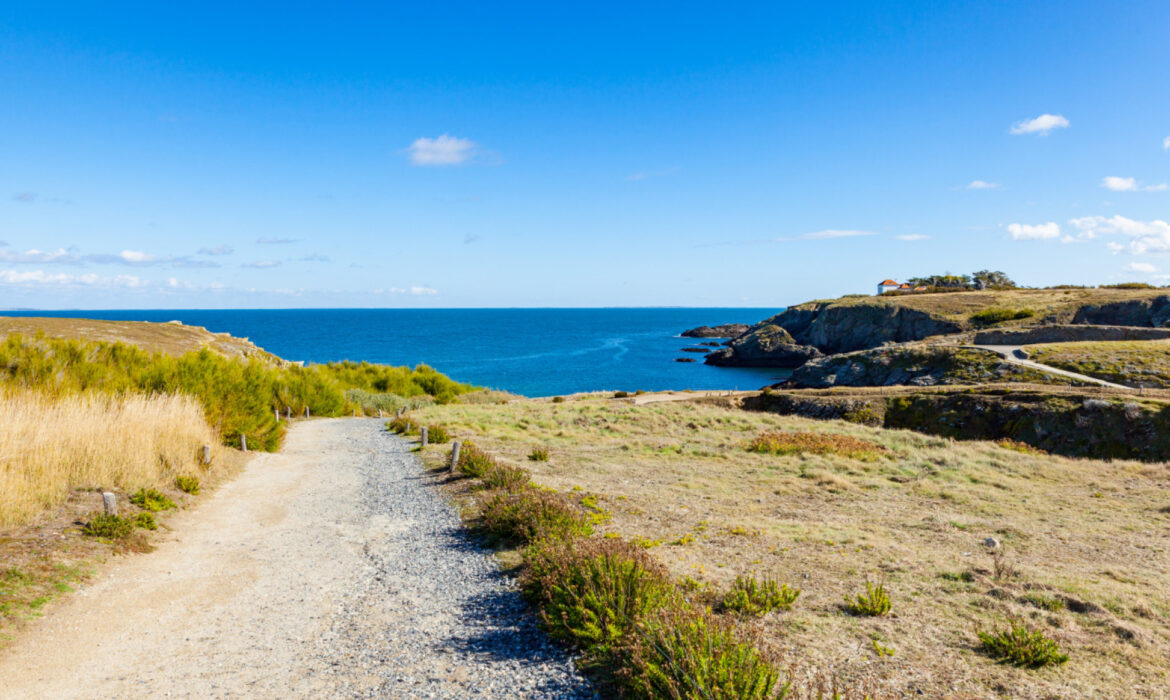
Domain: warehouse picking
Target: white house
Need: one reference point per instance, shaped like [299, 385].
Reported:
[889, 286]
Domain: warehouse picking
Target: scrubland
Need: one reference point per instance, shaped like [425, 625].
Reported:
[996, 559]
[1144, 363]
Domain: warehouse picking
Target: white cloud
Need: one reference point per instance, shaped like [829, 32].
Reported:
[262, 264]
[1166, 143]
[982, 185]
[137, 257]
[1140, 267]
[1145, 236]
[423, 291]
[56, 257]
[40, 277]
[1028, 232]
[1129, 184]
[913, 237]
[833, 233]
[1040, 125]
[444, 150]
[218, 250]
[275, 241]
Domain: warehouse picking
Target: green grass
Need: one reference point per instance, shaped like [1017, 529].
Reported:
[1131, 362]
[999, 314]
[1020, 646]
[187, 484]
[152, 500]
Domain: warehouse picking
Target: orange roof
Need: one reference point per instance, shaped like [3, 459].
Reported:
[903, 286]
[889, 283]
[919, 289]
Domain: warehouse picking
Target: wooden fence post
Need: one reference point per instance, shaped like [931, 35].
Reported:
[307, 414]
[276, 413]
[454, 455]
[110, 503]
[207, 454]
[288, 412]
[422, 433]
[243, 442]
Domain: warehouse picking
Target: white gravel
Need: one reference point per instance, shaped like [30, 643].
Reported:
[327, 570]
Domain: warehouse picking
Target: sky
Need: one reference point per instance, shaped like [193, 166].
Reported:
[251, 155]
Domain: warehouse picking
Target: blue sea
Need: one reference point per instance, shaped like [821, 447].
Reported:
[534, 352]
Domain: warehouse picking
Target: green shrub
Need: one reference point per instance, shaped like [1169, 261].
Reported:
[558, 399]
[749, 596]
[684, 654]
[145, 521]
[874, 602]
[399, 424]
[538, 454]
[506, 478]
[593, 591]
[187, 484]
[1020, 646]
[474, 462]
[152, 500]
[620, 394]
[993, 315]
[531, 514]
[437, 435]
[105, 525]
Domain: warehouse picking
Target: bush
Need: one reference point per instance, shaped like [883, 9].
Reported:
[750, 596]
[105, 525]
[437, 435]
[558, 399]
[145, 521]
[529, 515]
[187, 484]
[1128, 285]
[401, 425]
[474, 462]
[683, 654]
[1019, 646]
[620, 394]
[790, 443]
[538, 454]
[152, 500]
[592, 592]
[506, 478]
[873, 603]
[993, 315]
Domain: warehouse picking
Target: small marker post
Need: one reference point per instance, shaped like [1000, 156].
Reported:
[422, 432]
[110, 503]
[454, 455]
[243, 442]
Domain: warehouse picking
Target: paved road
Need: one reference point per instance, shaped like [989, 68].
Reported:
[329, 570]
[1008, 353]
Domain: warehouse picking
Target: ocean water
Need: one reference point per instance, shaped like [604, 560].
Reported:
[534, 352]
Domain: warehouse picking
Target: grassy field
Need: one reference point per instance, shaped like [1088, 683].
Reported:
[829, 506]
[171, 338]
[1133, 363]
[1059, 305]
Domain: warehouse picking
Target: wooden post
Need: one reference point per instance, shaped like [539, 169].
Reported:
[207, 454]
[307, 415]
[422, 432]
[288, 412]
[276, 413]
[379, 413]
[454, 455]
[243, 442]
[110, 503]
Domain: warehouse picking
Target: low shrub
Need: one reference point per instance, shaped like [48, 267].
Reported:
[152, 500]
[437, 435]
[531, 514]
[145, 521]
[620, 394]
[401, 425]
[506, 478]
[474, 462]
[593, 591]
[107, 525]
[538, 454]
[684, 654]
[993, 315]
[558, 399]
[750, 596]
[1019, 646]
[1128, 285]
[791, 442]
[1021, 447]
[187, 484]
[875, 602]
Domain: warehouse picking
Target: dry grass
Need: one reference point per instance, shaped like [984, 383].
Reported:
[1088, 533]
[1130, 362]
[799, 443]
[170, 338]
[49, 447]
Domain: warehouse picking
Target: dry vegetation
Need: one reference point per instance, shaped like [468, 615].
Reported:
[1082, 550]
[171, 338]
[1131, 362]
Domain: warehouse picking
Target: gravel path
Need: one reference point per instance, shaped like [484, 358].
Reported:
[327, 570]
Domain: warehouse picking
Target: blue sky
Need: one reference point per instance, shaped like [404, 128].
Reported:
[491, 154]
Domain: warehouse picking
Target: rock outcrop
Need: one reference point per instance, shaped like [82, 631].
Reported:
[915, 365]
[765, 346]
[726, 330]
[1067, 334]
[1151, 312]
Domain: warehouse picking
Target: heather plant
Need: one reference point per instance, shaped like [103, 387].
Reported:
[875, 602]
[437, 435]
[109, 526]
[187, 484]
[474, 462]
[1020, 646]
[152, 500]
[506, 478]
[791, 442]
[754, 597]
[532, 514]
[538, 454]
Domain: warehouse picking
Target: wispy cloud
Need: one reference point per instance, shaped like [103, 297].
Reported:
[138, 258]
[1028, 232]
[218, 250]
[443, 150]
[315, 257]
[1140, 267]
[1166, 143]
[26, 197]
[981, 185]
[1129, 184]
[913, 237]
[261, 264]
[40, 277]
[471, 238]
[1041, 125]
[412, 291]
[829, 234]
[40, 257]
[276, 241]
[1144, 236]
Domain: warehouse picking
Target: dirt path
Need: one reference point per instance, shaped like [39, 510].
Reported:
[328, 570]
[1008, 353]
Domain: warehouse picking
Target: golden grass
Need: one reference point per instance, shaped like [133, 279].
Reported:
[796, 443]
[1089, 533]
[49, 446]
[1131, 362]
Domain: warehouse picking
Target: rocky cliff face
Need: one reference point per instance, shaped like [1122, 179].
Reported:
[917, 366]
[766, 346]
[726, 330]
[1152, 312]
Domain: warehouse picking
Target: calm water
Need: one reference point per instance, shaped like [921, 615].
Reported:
[535, 352]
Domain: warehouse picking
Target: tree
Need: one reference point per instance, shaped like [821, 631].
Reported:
[991, 279]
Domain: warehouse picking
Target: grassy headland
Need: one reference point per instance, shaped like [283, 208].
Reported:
[1143, 363]
[1078, 554]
